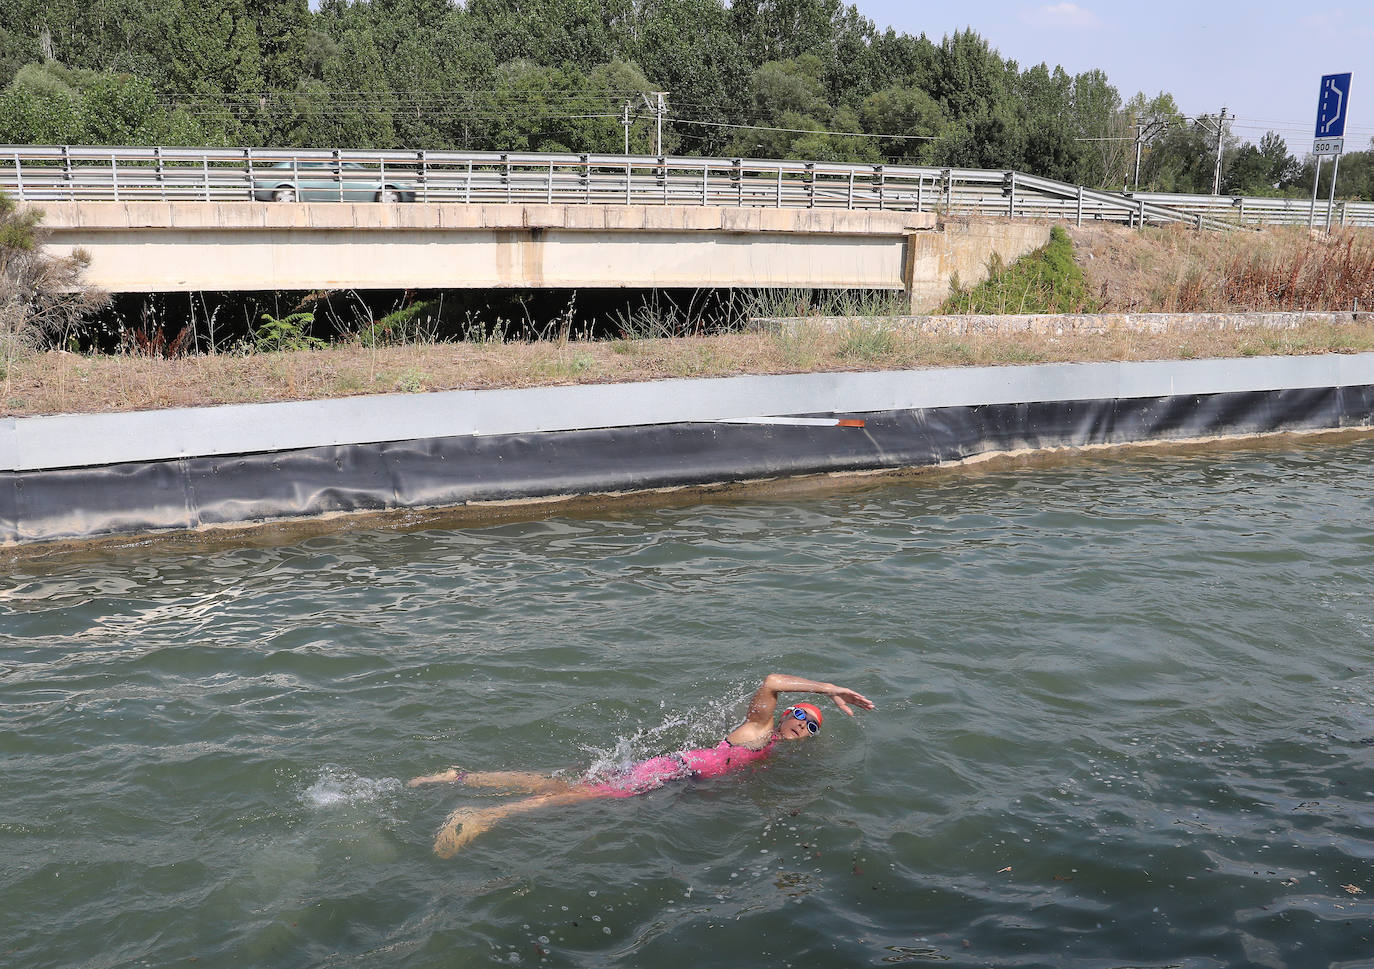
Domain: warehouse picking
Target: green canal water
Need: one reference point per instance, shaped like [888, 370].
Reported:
[1125, 717]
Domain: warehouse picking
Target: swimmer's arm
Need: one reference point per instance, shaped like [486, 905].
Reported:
[758, 725]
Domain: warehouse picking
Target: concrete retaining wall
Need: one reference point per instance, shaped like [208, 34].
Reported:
[963, 248]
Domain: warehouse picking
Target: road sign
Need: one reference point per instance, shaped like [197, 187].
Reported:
[1328, 146]
[1331, 104]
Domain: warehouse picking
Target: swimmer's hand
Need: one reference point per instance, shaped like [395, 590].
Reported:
[844, 696]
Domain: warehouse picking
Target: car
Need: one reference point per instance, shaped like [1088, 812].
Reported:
[325, 181]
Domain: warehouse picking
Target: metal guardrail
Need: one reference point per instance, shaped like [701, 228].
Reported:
[1260, 211]
[39, 173]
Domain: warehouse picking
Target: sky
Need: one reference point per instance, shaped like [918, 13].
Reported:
[1262, 61]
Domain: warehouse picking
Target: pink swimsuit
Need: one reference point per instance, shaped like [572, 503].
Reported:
[705, 762]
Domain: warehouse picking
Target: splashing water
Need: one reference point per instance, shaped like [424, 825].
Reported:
[701, 726]
[338, 787]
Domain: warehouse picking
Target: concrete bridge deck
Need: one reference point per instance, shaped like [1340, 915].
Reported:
[189, 246]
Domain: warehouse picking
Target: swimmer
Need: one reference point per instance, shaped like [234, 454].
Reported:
[749, 743]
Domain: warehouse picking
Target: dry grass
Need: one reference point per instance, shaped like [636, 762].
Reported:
[59, 382]
[1177, 270]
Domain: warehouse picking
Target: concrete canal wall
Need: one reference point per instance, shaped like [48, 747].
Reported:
[74, 477]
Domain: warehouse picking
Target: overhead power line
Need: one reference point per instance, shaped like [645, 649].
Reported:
[804, 131]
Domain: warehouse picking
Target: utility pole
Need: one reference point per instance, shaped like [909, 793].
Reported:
[658, 109]
[1221, 131]
[1216, 174]
[1144, 134]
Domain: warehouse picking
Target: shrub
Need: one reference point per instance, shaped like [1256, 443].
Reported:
[43, 302]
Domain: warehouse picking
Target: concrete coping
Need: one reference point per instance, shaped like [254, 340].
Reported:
[1056, 324]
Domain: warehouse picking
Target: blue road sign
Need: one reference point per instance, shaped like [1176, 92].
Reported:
[1331, 105]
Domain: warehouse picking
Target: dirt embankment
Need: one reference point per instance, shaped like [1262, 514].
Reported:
[1178, 270]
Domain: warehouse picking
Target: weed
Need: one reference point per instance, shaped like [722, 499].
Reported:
[869, 342]
[285, 335]
[1047, 280]
[417, 323]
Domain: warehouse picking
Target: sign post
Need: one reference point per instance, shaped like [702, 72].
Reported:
[1329, 138]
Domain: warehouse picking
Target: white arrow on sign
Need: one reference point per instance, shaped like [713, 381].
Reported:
[1332, 117]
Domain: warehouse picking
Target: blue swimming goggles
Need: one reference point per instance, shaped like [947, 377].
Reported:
[800, 714]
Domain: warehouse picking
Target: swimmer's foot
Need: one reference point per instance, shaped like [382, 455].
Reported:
[451, 776]
[460, 828]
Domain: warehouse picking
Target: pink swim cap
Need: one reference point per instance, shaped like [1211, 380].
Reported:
[812, 711]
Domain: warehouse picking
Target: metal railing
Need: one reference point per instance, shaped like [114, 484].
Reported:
[1261, 211]
[39, 173]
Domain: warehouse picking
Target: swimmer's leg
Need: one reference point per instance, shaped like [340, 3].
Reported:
[513, 780]
[520, 781]
[463, 825]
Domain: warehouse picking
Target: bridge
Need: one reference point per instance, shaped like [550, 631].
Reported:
[186, 219]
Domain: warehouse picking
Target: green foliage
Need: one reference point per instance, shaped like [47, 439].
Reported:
[556, 75]
[1045, 281]
[287, 334]
[18, 227]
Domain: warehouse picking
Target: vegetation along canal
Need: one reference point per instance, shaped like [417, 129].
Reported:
[1124, 716]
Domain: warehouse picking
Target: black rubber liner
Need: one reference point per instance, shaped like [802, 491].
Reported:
[82, 503]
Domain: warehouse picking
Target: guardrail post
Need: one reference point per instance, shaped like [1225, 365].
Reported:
[586, 176]
[627, 180]
[114, 176]
[423, 174]
[779, 187]
[467, 185]
[338, 173]
[920, 190]
[947, 184]
[1141, 219]
[1078, 220]
[1343, 205]
[248, 162]
[737, 176]
[67, 171]
[161, 175]
[663, 175]
[549, 196]
[205, 164]
[19, 176]
[849, 204]
[809, 179]
[505, 175]
[705, 182]
[882, 184]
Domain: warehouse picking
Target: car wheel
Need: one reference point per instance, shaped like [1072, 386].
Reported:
[388, 194]
[285, 193]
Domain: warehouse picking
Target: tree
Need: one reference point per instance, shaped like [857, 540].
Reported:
[902, 111]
